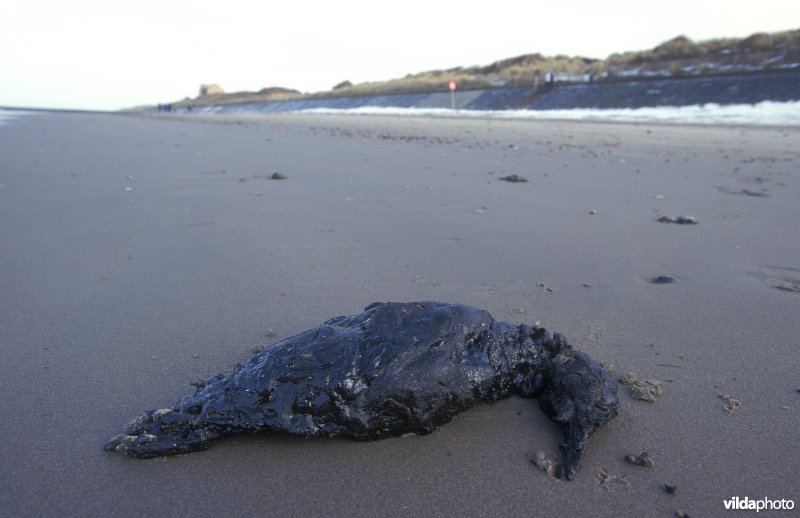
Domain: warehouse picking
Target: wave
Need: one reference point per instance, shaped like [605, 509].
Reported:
[767, 113]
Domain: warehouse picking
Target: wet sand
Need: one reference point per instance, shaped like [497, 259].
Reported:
[141, 253]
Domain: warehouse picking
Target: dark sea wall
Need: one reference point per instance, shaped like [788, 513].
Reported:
[744, 89]
[685, 91]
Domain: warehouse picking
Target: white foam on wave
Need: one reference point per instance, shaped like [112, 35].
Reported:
[766, 113]
[7, 116]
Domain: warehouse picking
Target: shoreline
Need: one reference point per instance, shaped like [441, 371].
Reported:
[765, 114]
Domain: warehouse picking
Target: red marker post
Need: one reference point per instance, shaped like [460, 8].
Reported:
[452, 86]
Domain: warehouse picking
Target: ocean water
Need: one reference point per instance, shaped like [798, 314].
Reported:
[765, 113]
[4, 116]
[7, 116]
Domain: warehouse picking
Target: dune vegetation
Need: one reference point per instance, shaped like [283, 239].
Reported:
[676, 57]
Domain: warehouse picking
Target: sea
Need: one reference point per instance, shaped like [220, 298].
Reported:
[767, 113]
[8, 115]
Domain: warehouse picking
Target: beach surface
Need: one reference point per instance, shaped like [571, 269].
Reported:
[140, 253]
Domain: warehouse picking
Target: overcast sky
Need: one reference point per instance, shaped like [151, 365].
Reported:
[110, 54]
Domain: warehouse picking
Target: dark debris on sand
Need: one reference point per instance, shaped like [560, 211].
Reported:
[513, 178]
[662, 279]
[680, 220]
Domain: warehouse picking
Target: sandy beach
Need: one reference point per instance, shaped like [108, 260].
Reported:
[140, 253]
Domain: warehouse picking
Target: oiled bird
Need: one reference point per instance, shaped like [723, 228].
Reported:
[393, 369]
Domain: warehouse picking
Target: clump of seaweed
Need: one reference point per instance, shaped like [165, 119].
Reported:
[543, 462]
[612, 483]
[643, 459]
[732, 404]
[680, 220]
[647, 390]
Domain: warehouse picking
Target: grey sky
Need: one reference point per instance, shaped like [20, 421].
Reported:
[109, 54]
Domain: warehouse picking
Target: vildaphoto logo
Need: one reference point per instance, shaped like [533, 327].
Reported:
[762, 504]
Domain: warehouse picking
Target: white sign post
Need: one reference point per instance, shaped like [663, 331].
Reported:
[452, 86]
